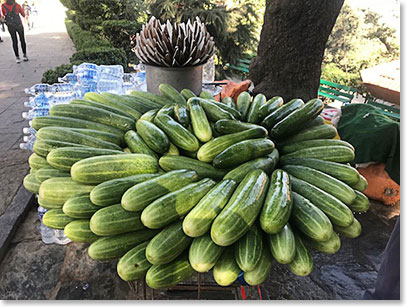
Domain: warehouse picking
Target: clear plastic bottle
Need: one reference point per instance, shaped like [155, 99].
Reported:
[40, 101]
[35, 112]
[29, 138]
[61, 87]
[29, 130]
[68, 78]
[38, 88]
[110, 85]
[28, 145]
[60, 237]
[47, 234]
[62, 98]
[111, 70]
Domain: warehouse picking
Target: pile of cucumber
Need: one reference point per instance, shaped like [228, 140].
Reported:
[174, 184]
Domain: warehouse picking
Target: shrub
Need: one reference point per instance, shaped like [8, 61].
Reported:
[331, 72]
[52, 75]
[100, 56]
[84, 39]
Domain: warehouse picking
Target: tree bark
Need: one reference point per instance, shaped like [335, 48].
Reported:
[291, 47]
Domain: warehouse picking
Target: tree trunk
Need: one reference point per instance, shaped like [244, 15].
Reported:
[291, 47]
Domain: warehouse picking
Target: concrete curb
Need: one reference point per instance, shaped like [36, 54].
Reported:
[12, 218]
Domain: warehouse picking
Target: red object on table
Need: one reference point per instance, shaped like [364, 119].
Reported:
[232, 89]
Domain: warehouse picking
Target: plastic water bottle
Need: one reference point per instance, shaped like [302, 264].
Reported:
[85, 66]
[68, 78]
[29, 130]
[111, 70]
[28, 145]
[38, 88]
[39, 101]
[35, 113]
[62, 98]
[47, 234]
[61, 87]
[129, 83]
[29, 138]
[60, 237]
[87, 77]
[112, 85]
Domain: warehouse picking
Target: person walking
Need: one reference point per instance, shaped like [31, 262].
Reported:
[11, 12]
[27, 11]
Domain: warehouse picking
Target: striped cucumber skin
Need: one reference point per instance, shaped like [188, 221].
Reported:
[342, 172]
[79, 207]
[63, 158]
[337, 211]
[126, 149]
[98, 105]
[56, 191]
[309, 219]
[213, 110]
[168, 109]
[140, 195]
[259, 274]
[31, 184]
[340, 154]
[153, 136]
[226, 270]
[168, 244]
[114, 220]
[187, 93]
[175, 205]
[79, 231]
[267, 164]
[242, 209]
[60, 121]
[96, 170]
[210, 150]
[108, 248]
[170, 274]
[360, 204]
[140, 104]
[289, 148]
[172, 151]
[242, 152]
[204, 253]
[93, 114]
[36, 162]
[296, 119]
[253, 115]
[317, 121]
[331, 246]
[361, 185]
[198, 221]
[282, 245]
[302, 264]
[158, 99]
[249, 249]
[134, 264]
[182, 115]
[137, 145]
[323, 181]
[200, 124]
[313, 133]
[177, 134]
[110, 192]
[56, 218]
[278, 204]
[204, 170]
[244, 100]
[205, 95]
[64, 135]
[229, 102]
[172, 94]
[43, 147]
[228, 126]
[101, 135]
[352, 231]
[235, 113]
[50, 172]
[270, 106]
[273, 118]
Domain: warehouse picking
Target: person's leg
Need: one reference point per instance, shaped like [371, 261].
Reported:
[22, 41]
[13, 34]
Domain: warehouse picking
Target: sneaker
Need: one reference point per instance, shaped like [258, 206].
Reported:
[18, 61]
[25, 59]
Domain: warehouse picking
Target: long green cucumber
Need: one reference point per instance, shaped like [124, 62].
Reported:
[228, 126]
[341, 154]
[158, 99]
[102, 106]
[153, 136]
[302, 264]
[273, 118]
[316, 132]
[137, 145]
[331, 246]
[206, 95]
[150, 115]
[204, 253]
[289, 148]
[37, 162]
[282, 245]
[172, 94]
[249, 249]
[270, 106]
[352, 231]
[101, 135]
[56, 218]
[253, 115]
[79, 207]
[134, 264]
[200, 123]
[259, 274]
[79, 231]
[361, 185]
[226, 270]
[360, 204]
[31, 184]
[213, 110]
[182, 115]
[44, 147]
[243, 103]
[229, 102]
[187, 93]
[47, 172]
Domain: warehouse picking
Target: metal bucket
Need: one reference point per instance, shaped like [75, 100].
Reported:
[180, 78]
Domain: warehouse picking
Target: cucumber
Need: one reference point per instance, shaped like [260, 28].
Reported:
[204, 253]
[79, 231]
[200, 123]
[282, 245]
[108, 248]
[172, 151]
[352, 231]
[141, 104]
[249, 249]
[266, 164]
[229, 102]
[341, 154]
[302, 264]
[37, 162]
[49, 172]
[273, 118]
[243, 103]
[210, 150]
[259, 274]
[172, 94]
[296, 119]
[150, 115]
[178, 135]
[213, 110]
[319, 120]
[56, 218]
[110, 192]
[226, 270]
[96, 170]
[235, 113]
[242, 152]
[79, 207]
[323, 181]
[253, 115]
[360, 204]
[142, 194]
[278, 204]
[342, 172]
[270, 106]
[331, 246]
[337, 211]
[361, 185]
[242, 209]
[153, 136]
[93, 114]
[43, 147]
[227, 126]
[187, 93]
[168, 109]
[170, 274]
[101, 135]
[126, 149]
[205, 95]
[56, 191]
[309, 219]
[114, 220]
[182, 115]
[198, 221]
[168, 244]
[289, 148]
[175, 205]
[63, 158]
[31, 184]
[158, 99]
[313, 133]
[134, 264]
[105, 107]
[137, 145]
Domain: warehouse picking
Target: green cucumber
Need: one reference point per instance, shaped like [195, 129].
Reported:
[182, 115]
[36, 162]
[273, 118]
[134, 264]
[141, 104]
[101, 135]
[79, 231]
[235, 113]
[360, 204]
[213, 110]
[139, 196]
[253, 115]
[313, 133]
[153, 136]
[31, 184]
[56, 218]
[341, 154]
[226, 270]
[158, 99]
[150, 115]
[352, 231]
[244, 100]
[361, 185]
[317, 121]
[249, 249]
[278, 204]
[242, 209]
[204, 253]
[95, 104]
[200, 123]
[49, 172]
[289, 148]
[187, 93]
[282, 245]
[79, 207]
[172, 94]
[172, 151]
[259, 274]
[44, 147]
[205, 95]
[137, 145]
[198, 221]
[331, 246]
[302, 264]
[168, 109]
[229, 102]
[270, 106]
[227, 126]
